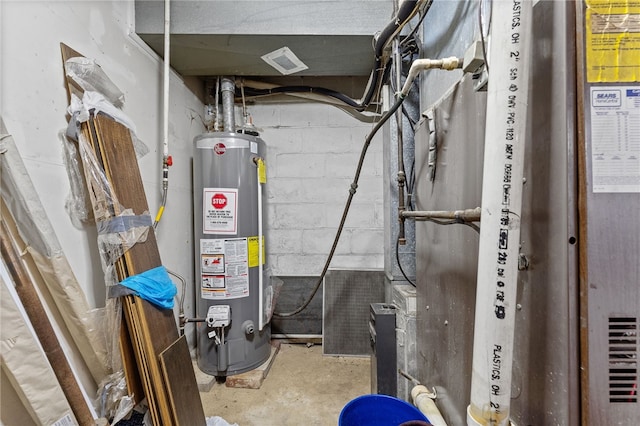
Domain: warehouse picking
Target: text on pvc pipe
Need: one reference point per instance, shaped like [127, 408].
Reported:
[510, 136]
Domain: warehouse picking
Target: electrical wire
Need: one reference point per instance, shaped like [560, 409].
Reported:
[306, 89]
[423, 14]
[400, 264]
[352, 191]
[411, 184]
[412, 122]
[482, 38]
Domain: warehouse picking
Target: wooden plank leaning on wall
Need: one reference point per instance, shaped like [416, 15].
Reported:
[149, 329]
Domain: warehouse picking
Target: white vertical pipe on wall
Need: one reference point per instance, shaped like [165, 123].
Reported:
[261, 319]
[167, 50]
[502, 185]
[165, 112]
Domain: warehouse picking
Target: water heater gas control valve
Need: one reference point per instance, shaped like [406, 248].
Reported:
[218, 316]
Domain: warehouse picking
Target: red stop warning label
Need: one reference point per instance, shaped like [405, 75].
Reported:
[219, 210]
[219, 201]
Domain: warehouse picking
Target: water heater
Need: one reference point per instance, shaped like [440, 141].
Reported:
[231, 277]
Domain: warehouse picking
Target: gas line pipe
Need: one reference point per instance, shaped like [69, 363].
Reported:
[467, 215]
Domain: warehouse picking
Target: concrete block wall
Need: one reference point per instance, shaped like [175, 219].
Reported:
[404, 298]
[312, 154]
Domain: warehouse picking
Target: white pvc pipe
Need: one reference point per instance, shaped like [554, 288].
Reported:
[261, 315]
[167, 50]
[423, 400]
[502, 185]
[418, 65]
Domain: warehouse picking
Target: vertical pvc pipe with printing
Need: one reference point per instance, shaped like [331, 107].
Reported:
[502, 186]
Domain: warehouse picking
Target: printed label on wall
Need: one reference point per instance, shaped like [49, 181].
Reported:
[615, 138]
[224, 268]
[67, 420]
[220, 211]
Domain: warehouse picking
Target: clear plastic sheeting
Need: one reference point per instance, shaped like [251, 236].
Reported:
[27, 220]
[77, 203]
[219, 421]
[270, 295]
[113, 401]
[94, 103]
[89, 76]
[115, 240]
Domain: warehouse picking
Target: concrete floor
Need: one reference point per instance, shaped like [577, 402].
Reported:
[303, 387]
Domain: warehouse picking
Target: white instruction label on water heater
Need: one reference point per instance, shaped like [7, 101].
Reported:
[220, 211]
[224, 266]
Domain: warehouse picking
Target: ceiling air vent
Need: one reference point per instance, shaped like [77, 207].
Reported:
[285, 61]
[623, 359]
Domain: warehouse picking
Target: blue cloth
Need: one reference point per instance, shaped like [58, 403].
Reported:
[154, 286]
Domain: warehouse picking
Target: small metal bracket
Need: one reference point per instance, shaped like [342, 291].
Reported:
[523, 262]
[474, 63]
[481, 80]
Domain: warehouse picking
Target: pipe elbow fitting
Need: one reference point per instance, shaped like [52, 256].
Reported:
[419, 391]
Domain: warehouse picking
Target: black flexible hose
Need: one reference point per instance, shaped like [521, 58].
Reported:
[305, 89]
[406, 9]
[352, 192]
[400, 264]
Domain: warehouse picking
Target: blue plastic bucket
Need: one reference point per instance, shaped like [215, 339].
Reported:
[378, 410]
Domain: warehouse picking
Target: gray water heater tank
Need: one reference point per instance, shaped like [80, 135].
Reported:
[229, 257]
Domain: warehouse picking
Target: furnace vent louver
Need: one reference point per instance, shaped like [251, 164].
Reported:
[623, 359]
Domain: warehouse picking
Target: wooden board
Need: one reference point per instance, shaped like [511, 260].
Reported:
[181, 383]
[151, 330]
[253, 379]
[128, 355]
[121, 168]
